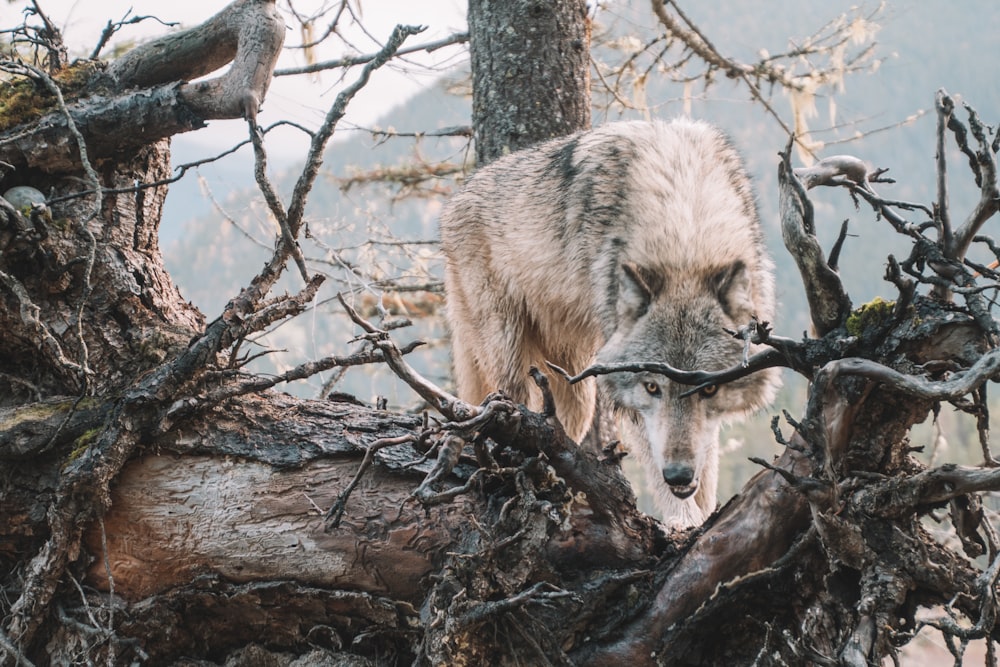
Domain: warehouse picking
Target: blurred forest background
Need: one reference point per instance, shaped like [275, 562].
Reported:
[373, 217]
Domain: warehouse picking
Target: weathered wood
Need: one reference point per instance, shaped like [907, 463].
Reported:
[247, 33]
[175, 518]
[218, 484]
[829, 304]
[144, 96]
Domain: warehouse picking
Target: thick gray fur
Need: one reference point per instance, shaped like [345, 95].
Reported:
[635, 241]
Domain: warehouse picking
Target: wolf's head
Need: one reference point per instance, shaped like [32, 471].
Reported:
[681, 320]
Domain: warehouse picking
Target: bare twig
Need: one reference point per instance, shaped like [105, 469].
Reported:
[114, 26]
[14, 652]
[801, 356]
[307, 21]
[50, 37]
[457, 38]
[263, 281]
[697, 42]
[450, 406]
[833, 259]
[945, 108]
[257, 384]
[449, 450]
[812, 488]
[336, 511]
[984, 625]
[181, 169]
[314, 157]
[273, 201]
[983, 426]
[539, 593]
[989, 192]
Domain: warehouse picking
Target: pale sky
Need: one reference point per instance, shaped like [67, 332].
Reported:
[298, 98]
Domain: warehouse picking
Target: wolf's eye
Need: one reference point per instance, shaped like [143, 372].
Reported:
[651, 388]
[709, 391]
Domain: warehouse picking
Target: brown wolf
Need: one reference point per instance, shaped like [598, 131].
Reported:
[635, 241]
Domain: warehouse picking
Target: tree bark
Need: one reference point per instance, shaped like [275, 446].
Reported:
[530, 72]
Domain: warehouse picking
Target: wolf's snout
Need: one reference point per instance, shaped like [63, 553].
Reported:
[680, 478]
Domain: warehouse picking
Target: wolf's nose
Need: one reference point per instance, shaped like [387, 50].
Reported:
[678, 474]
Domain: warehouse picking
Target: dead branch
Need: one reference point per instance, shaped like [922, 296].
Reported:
[303, 185]
[984, 163]
[457, 38]
[963, 383]
[256, 384]
[450, 406]
[14, 652]
[449, 451]
[834, 170]
[829, 304]
[288, 240]
[247, 33]
[985, 624]
[145, 95]
[802, 356]
[903, 496]
[47, 36]
[698, 379]
[314, 158]
[945, 107]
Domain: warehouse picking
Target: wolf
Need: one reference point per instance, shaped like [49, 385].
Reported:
[634, 241]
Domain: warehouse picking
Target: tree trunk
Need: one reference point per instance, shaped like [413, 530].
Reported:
[92, 264]
[530, 72]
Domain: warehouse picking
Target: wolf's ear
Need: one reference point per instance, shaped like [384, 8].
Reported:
[636, 289]
[733, 286]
